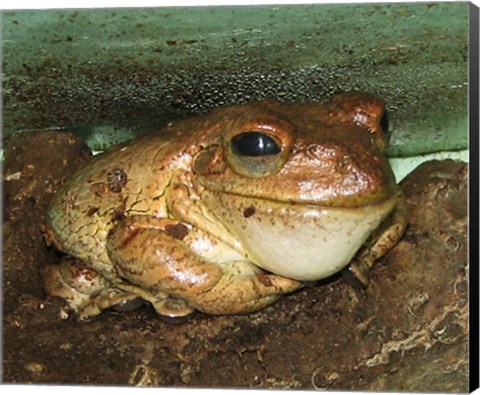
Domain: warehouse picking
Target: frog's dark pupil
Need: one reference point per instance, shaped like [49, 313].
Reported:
[384, 122]
[254, 144]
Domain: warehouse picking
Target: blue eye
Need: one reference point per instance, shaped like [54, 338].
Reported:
[254, 144]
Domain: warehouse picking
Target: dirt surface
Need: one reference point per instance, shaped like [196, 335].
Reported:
[407, 332]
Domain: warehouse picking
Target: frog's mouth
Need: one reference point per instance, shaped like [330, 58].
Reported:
[302, 242]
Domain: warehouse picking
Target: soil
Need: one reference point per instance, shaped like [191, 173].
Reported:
[407, 332]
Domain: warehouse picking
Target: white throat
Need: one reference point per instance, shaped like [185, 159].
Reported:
[305, 243]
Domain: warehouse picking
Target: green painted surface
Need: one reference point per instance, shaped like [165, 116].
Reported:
[113, 73]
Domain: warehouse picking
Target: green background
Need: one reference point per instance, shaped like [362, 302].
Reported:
[113, 73]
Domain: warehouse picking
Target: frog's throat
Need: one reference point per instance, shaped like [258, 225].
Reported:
[302, 242]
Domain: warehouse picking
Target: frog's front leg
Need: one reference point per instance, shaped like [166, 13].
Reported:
[357, 273]
[150, 253]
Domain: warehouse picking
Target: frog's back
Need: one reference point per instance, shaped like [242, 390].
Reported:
[127, 179]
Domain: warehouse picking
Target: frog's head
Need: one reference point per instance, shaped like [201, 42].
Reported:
[302, 186]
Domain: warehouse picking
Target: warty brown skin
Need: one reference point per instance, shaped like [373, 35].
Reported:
[144, 217]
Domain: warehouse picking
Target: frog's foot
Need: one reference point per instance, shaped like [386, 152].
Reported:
[146, 254]
[72, 280]
[108, 298]
[382, 241]
[172, 307]
[357, 274]
[86, 292]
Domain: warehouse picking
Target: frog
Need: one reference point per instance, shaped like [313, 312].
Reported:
[225, 212]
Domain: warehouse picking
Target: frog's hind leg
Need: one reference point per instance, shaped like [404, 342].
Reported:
[86, 291]
[150, 253]
[357, 273]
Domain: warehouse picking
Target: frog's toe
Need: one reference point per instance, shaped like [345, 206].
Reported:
[128, 304]
[357, 274]
[172, 307]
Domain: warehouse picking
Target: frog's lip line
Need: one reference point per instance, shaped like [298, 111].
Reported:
[312, 204]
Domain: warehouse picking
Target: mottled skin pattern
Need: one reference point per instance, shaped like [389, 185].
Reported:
[164, 217]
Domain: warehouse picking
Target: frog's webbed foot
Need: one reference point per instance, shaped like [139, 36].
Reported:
[150, 254]
[357, 273]
[86, 291]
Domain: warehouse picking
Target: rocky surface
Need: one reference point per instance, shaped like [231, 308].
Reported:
[407, 332]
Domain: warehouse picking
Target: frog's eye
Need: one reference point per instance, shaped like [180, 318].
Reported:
[254, 144]
[254, 154]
